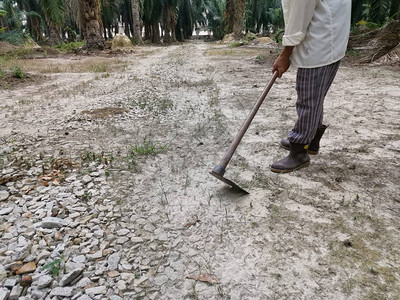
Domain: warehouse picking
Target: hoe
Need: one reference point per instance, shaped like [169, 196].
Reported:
[219, 169]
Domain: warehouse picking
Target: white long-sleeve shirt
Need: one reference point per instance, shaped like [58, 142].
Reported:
[319, 30]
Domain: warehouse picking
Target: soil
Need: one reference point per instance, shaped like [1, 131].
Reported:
[329, 231]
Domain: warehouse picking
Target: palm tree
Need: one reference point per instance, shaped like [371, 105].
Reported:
[238, 18]
[53, 11]
[137, 33]
[234, 15]
[151, 15]
[215, 17]
[379, 10]
[109, 16]
[170, 19]
[184, 28]
[90, 23]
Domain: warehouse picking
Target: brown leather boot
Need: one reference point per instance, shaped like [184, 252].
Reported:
[297, 158]
[313, 148]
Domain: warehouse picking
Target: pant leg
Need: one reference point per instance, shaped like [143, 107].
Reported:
[312, 85]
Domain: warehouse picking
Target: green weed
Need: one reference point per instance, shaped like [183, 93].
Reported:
[68, 47]
[54, 266]
[148, 148]
[17, 72]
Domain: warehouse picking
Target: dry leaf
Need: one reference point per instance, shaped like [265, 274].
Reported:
[208, 278]
[4, 180]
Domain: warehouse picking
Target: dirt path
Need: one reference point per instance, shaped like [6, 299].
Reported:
[329, 231]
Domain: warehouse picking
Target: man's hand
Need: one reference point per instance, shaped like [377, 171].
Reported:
[282, 63]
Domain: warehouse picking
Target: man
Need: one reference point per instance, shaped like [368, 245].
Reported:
[315, 40]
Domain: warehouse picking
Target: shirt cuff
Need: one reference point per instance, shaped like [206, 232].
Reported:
[293, 39]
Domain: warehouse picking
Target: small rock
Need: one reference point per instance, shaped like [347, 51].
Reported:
[84, 297]
[122, 232]
[113, 261]
[80, 259]
[128, 277]
[115, 297]
[96, 290]
[141, 280]
[96, 255]
[44, 281]
[77, 241]
[10, 283]
[160, 280]
[58, 236]
[98, 234]
[4, 294]
[62, 291]
[4, 195]
[113, 274]
[27, 268]
[51, 222]
[26, 280]
[6, 211]
[15, 292]
[121, 285]
[87, 179]
[136, 240]
[68, 278]
[83, 283]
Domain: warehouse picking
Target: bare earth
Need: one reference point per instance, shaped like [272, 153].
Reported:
[329, 231]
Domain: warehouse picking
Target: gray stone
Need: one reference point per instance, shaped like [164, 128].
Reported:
[15, 292]
[44, 281]
[98, 233]
[121, 285]
[62, 291]
[80, 259]
[84, 297]
[136, 240]
[51, 222]
[83, 282]
[3, 272]
[98, 290]
[4, 294]
[96, 255]
[68, 278]
[6, 211]
[128, 277]
[141, 280]
[4, 195]
[113, 261]
[10, 283]
[87, 179]
[160, 280]
[123, 232]
[122, 240]
[70, 266]
[115, 297]
[36, 294]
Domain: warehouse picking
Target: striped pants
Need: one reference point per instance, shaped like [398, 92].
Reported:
[312, 85]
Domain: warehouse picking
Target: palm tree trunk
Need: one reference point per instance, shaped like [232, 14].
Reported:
[156, 33]
[137, 34]
[238, 18]
[91, 25]
[229, 16]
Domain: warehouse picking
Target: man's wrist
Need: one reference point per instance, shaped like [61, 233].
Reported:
[287, 51]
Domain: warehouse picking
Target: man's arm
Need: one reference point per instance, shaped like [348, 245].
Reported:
[282, 63]
[298, 15]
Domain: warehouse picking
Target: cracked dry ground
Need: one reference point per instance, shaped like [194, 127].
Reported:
[105, 190]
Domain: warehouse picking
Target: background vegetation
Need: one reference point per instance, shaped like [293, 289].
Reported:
[61, 21]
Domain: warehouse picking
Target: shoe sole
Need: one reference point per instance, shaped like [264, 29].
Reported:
[309, 151]
[291, 170]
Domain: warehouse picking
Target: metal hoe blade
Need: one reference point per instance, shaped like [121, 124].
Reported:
[219, 170]
[229, 182]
